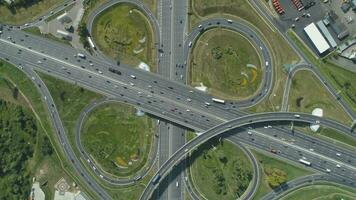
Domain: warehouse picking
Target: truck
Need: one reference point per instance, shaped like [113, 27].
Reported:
[307, 163]
[80, 55]
[218, 100]
[156, 179]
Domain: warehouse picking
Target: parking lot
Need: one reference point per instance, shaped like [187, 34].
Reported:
[316, 11]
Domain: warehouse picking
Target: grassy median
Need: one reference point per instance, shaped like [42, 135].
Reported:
[340, 79]
[118, 139]
[220, 170]
[282, 53]
[123, 32]
[227, 63]
[307, 93]
[274, 173]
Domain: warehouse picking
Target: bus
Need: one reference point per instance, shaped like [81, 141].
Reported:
[218, 100]
[156, 179]
[91, 43]
[81, 55]
[305, 162]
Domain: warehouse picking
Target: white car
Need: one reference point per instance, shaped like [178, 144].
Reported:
[100, 72]
[249, 132]
[328, 170]
[338, 166]
[338, 154]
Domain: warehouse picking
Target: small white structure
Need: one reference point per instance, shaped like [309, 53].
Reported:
[64, 18]
[317, 38]
[36, 192]
[144, 66]
[319, 113]
[64, 34]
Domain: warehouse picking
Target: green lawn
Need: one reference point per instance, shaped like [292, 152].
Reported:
[23, 15]
[103, 134]
[223, 172]
[307, 93]
[36, 31]
[70, 100]
[123, 32]
[321, 192]
[273, 167]
[342, 80]
[46, 168]
[227, 63]
[281, 52]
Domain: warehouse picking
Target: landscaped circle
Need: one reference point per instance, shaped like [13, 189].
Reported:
[118, 138]
[220, 170]
[226, 63]
[123, 32]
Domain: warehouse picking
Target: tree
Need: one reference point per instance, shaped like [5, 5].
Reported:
[46, 147]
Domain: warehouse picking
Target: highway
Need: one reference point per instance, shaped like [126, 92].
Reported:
[299, 182]
[157, 95]
[250, 120]
[30, 59]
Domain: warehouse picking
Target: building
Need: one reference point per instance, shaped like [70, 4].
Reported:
[339, 28]
[317, 38]
[64, 34]
[326, 33]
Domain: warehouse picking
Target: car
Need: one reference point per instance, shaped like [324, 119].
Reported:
[101, 176]
[327, 170]
[189, 100]
[133, 76]
[177, 184]
[190, 44]
[39, 62]
[338, 166]
[249, 132]
[229, 21]
[200, 26]
[132, 84]
[338, 154]
[100, 72]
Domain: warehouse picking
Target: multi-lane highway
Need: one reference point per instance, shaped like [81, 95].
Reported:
[169, 99]
[250, 120]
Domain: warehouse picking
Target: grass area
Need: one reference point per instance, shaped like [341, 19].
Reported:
[70, 100]
[275, 171]
[123, 32]
[49, 168]
[36, 31]
[342, 80]
[227, 63]
[23, 15]
[103, 132]
[321, 192]
[282, 53]
[307, 93]
[220, 172]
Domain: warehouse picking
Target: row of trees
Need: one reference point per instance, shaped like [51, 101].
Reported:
[17, 140]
